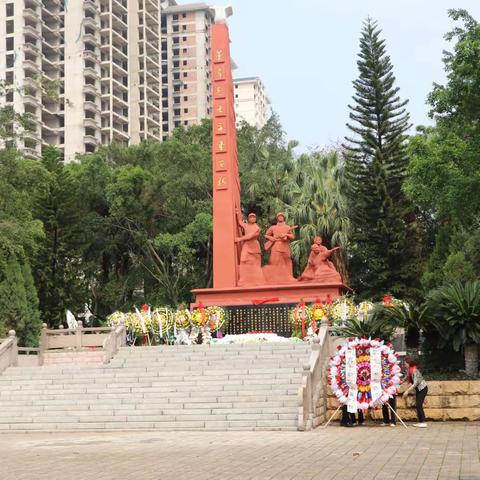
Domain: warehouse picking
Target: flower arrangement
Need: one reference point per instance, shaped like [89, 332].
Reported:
[115, 319]
[341, 309]
[300, 318]
[199, 317]
[215, 318]
[389, 301]
[364, 309]
[162, 321]
[182, 318]
[364, 373]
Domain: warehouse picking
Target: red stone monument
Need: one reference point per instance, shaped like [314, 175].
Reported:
[238, 278]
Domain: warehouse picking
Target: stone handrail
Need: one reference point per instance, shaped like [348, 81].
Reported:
[312, 394]
[9, 351]
[116, 339]
[108, 339]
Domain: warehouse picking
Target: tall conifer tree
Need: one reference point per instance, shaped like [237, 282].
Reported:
[383, 226]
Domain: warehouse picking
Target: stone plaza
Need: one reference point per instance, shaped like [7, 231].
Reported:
[442, 451]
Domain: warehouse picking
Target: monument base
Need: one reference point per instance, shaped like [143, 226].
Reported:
[265, 308]
[269, 294]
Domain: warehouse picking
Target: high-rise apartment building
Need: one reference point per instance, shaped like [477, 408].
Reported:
[251, 101]
[186, 94]
[92, 72]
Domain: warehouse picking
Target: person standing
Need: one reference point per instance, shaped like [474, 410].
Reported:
[389, 418]
[415, 378]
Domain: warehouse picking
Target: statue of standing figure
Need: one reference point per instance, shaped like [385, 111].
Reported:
[279, 268]
[319, 268]
[250, 267]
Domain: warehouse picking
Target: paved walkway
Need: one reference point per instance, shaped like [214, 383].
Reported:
[443, 451]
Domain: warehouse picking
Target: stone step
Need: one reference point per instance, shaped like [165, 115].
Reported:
[210, 425]
[149, 392]
[205, 387]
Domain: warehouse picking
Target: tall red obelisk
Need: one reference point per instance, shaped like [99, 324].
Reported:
[226, 198]
[226, 182]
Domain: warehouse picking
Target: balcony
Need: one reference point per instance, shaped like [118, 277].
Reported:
[31, 153]
[34, 32]
[91, 106]
[30, 48]
[89, 55]
[92, 89]
[32, 66]
[49, 129]
[88, 37]
[91, 6]
[91, 23]
[31, 14]
[31, 100]
[90, 123]
[91, 72]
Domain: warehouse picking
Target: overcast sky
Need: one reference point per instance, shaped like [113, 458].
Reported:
[305, 53]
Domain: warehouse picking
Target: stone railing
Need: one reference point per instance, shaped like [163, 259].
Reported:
[312, 394]
[8, 351]
[28, 356]
[80, 345]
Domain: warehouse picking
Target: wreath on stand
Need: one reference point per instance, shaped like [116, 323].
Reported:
[364, 373]
[181, 323]
[300, 319]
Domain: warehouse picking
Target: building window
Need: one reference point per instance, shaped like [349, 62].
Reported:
[184, 15]
[9, 43]
[185, 63]
[185, 110]
[9, 60]
[9, 26]
[185, 99]
[9, 9]
[185, 86]
[184, 50]
[185, 74]
[175, 17]
[184, 39]
[185, 122]
[184, 28]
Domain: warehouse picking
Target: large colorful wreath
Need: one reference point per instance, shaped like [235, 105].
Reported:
[364, 373]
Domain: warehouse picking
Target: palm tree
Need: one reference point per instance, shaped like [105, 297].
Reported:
[370, 327]
[315, 200]
[455, 313]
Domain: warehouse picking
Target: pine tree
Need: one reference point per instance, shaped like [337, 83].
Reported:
[13, 298]
[30, 336]
[383, 227]
[56, 266]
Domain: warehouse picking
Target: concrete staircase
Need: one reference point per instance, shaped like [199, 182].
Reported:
[202, 387]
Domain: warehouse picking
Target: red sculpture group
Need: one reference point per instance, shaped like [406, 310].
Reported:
[279, 269]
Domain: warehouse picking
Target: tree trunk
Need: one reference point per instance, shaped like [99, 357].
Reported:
[471, 359]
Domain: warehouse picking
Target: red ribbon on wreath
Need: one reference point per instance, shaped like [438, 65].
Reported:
[301, 305]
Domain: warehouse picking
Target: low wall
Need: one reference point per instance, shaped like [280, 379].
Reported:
[74, 357]
[446, 400]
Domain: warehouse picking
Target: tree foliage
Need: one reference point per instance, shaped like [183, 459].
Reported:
[384, 228]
